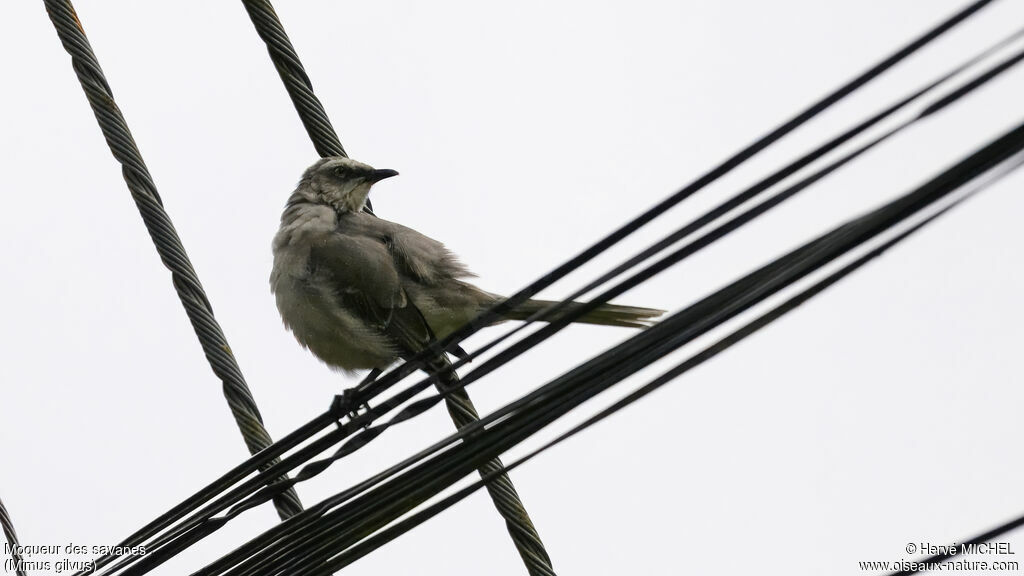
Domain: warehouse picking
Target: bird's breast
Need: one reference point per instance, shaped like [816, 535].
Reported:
[311, 311]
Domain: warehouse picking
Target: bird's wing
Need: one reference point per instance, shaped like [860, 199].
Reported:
[365, 279]
[423, 258]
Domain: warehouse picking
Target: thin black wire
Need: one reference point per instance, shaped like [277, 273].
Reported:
[422, 405]
[12, 539]
[367, 391]
[378, 540]
[165, 238]
[299, 553]
[737, 296]
[393, 532]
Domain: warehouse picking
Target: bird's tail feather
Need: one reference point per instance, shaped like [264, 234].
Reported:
[604, 315]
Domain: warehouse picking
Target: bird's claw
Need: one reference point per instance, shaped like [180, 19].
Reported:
[346, 404]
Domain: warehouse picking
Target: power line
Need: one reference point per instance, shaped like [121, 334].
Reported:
[12, 539]
[165, 238]
[373, 543]
[313, 549]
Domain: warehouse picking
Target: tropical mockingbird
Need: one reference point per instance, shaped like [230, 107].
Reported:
[361, 292]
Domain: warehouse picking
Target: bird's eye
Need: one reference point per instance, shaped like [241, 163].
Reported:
[339, 171]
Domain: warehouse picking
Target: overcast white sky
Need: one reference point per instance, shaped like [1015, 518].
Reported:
[885, 412]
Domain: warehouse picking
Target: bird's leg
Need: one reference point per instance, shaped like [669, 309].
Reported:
[346, 403]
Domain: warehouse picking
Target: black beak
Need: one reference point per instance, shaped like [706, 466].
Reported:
[378, 175]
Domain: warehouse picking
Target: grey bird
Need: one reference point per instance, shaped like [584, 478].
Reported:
[360, 292]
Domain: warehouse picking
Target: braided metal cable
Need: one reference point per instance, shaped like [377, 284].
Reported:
[325, 140]
[164, 237]
[504, 494]
[300, 89]
[12, 539]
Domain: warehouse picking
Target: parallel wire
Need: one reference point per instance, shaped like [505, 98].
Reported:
[392, 532]
[12, 539]
[342, 528]
[418, 407]
[325, 140]
[638, 352]
[165, 238]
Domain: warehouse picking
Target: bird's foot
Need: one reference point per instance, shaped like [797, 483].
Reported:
[346, 404]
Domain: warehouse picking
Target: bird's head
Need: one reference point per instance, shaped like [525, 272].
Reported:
[342, 183]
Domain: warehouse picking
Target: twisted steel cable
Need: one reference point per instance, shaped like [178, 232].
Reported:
[164, 237]
[300, 89]
[503, 493]
[12, 539]
[325, 140]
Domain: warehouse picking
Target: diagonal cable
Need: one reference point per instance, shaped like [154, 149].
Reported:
[12, 539]
[165, 238]
[295, 79]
